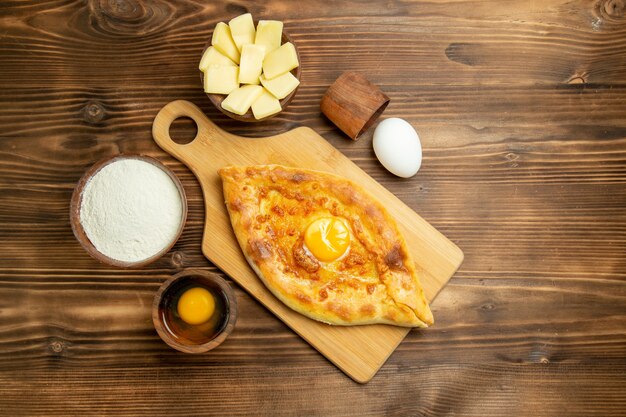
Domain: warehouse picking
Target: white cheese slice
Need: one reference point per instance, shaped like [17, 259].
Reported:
[224, 43]
[240, 100]
[265, 105]
[280, 61]
[221, 80]
[214, 57]
[242, 29]
[251, 63]
[281, 86]
[269, 33]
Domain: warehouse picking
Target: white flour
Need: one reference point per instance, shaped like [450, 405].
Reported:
[131, 210]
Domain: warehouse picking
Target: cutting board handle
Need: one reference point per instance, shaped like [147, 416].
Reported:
[182, 108]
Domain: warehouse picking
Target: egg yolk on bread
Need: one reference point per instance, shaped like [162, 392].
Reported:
[327, 238]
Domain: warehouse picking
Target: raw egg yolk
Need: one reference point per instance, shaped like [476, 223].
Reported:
[196, 306]
[327, 238]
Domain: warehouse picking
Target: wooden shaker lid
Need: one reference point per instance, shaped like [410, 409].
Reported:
[353, 104]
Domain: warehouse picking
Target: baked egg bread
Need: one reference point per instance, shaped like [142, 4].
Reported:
[324, 246]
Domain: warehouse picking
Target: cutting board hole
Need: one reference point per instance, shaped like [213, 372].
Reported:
[183, 130]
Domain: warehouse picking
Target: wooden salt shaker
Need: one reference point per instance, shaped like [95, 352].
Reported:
[353, 104]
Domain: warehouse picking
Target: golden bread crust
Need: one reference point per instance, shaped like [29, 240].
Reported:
[270, 207]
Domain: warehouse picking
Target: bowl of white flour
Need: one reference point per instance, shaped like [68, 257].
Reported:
[128, 211]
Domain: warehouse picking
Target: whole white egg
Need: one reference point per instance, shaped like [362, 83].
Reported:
[397, 146]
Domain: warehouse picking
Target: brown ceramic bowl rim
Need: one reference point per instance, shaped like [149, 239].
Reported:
[76, 201]
[217, 99]
[230, 300]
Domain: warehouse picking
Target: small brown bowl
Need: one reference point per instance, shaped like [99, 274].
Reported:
[164, 312]
[77, 197]
[217, 99]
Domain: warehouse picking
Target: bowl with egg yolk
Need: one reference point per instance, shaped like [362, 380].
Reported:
[194, 311]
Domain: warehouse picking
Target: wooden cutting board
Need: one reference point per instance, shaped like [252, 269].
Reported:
[358, 351]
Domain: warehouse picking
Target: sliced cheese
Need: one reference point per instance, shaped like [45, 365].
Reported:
[220, 79]
[242, 29]
[240, 100]
[224, 43]
[214, 57]
[281, 86]
[269, 33]
[266, 105]
[280, 61]
[251, 63]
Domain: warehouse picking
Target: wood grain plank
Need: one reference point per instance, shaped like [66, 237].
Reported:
[441, 390]
[582, 40]
[495, 315]
[502, 114]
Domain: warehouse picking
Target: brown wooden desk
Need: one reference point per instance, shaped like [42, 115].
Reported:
[521, 107]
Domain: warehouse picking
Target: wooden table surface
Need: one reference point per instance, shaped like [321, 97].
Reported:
[521, 107]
